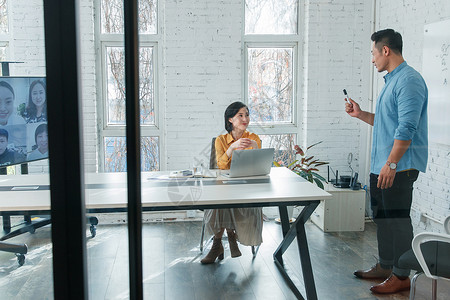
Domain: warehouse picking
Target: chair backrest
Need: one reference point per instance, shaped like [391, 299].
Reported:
[212, 157]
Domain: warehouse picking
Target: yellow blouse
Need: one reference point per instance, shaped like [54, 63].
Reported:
[222, 144]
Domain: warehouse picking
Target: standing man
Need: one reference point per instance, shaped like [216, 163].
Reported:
[399, 152]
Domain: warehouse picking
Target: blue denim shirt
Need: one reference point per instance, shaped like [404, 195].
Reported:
[401, 113]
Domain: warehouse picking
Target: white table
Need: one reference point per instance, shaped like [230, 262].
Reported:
[107, 192]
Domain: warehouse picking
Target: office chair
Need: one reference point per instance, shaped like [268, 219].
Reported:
[212, 166]
[430, 255]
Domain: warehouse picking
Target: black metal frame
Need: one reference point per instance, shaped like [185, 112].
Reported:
[65, 136]
[65, 150]
[133, 148]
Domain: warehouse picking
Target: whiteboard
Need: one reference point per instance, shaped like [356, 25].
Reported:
[436, 72]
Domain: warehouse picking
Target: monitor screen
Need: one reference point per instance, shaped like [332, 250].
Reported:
[23, 120]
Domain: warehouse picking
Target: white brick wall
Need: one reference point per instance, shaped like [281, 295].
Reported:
[339, 57]
[432, 190]
[203, 74]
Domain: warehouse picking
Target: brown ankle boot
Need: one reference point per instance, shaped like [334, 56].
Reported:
[216, 251]
[234, 249]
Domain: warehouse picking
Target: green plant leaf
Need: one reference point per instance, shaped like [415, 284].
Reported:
[319, 177]
[319, 183]
[295, 161]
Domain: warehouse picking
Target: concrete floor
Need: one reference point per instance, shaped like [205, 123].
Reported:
[172, 268]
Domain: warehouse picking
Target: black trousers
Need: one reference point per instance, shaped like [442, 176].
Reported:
[391, 212]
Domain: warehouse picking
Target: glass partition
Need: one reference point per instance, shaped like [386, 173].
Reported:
[26, 241]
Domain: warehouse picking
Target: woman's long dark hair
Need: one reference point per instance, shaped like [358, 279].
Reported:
[230, 112]
[31, 107]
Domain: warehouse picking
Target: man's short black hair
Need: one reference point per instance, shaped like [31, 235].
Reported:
[230, 112]
[40, 129]
[4, 133]
[389, 38]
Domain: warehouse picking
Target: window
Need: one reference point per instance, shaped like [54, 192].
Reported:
[115, 154]
[2, 51]
[270, 85]
[4, 29]
[4, 17]
[112, 104]
[271, 72]
[271, 16]
[115, 88]
[283, 144]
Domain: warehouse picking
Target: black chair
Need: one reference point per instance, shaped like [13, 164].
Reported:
[213, 166]
[430, 255]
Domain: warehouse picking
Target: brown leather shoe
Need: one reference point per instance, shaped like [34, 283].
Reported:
[391, 285]
[373, 273]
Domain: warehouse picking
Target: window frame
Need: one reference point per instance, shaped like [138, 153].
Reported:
[272, 41]
[105, 40]
[286, 128]
[5, 38]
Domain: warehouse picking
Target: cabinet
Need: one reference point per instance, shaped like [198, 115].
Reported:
[344, 212]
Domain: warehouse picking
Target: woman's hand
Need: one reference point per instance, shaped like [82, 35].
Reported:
[241, 144]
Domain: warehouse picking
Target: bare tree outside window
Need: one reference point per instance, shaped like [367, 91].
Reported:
[116, 86]
[111, 23]
[116, 154]
[283, 144]
[270, 85]
[112, 16]
[271, 16]
[4, 16]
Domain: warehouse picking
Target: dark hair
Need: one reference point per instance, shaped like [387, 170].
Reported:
[390, 38]
[230, 112]
[31, 107]
[4, 133]
[40, 129]
[8, 86]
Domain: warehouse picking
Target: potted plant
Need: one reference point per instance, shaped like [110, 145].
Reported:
[306, 166]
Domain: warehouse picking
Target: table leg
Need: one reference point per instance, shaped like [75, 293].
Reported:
[6, 223]
[298, 231]
[284, 219]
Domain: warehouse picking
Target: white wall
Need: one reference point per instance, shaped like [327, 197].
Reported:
[432, 189]
[202, 74]
[338, 47]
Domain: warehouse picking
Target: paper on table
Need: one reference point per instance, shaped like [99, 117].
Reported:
[181, 174]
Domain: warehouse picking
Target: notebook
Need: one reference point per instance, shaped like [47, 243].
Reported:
[255, 162]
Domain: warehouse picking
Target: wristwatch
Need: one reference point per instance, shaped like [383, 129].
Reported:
[392, 165]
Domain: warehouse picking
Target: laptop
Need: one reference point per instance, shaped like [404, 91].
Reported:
[254, 162]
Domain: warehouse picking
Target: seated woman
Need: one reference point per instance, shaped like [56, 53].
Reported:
[242, 224]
